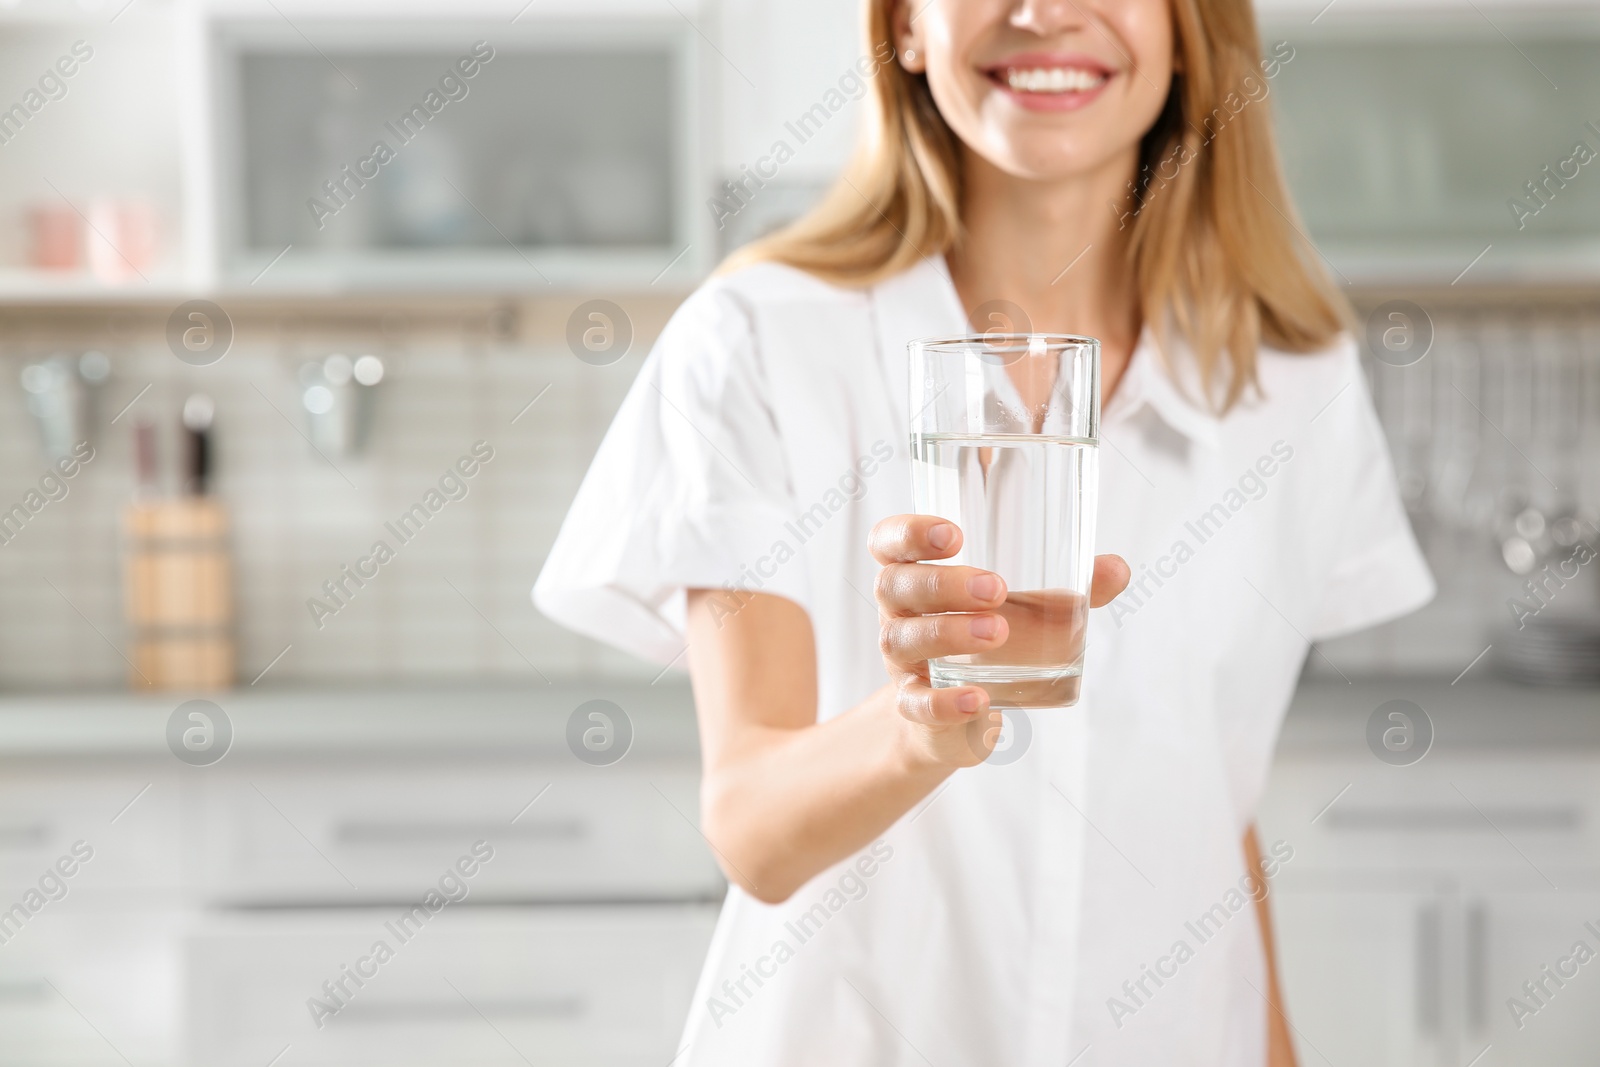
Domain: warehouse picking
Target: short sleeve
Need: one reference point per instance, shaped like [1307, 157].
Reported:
[688, 487]
[1378, 572]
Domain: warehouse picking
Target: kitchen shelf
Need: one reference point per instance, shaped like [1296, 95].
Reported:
[1509, 263]
[428, 719]
[154, 117]
[32, 287]
[510, 271]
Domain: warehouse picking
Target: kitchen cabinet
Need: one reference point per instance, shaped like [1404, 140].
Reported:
[579, 986]
[44, 811]
[1431, 977]
[475, 156]
[81, 977]
[788, 57]
[1517, 935]
[284, 834]
[533, 903]
[1357, 957]
[217, 905]
[580, 156]
[1420, 898]
[1380, 112]
[108, 132]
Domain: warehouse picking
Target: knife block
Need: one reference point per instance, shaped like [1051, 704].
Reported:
[178, 585]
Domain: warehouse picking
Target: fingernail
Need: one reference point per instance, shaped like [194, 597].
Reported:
[985, 627]
[967, 703]
[942, 536]
[984, 586]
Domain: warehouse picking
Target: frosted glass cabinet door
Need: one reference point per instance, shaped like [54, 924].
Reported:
[1517, 936]
[1384, 136]
[1360, 975]
[565, 147]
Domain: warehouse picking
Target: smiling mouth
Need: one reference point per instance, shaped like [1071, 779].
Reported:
[1051, 80]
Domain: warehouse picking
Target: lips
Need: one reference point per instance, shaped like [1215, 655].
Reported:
[1041, 81]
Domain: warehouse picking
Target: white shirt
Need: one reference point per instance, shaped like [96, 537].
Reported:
[1034, 908]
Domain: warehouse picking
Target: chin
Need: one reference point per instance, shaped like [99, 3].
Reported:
[1048, 156]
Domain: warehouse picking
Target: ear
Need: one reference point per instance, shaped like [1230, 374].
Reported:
[907, 35]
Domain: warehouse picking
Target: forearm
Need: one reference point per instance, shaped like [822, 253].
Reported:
[787, 803]
[1280, 1046]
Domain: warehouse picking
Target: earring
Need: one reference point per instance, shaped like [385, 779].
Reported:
[911, 55]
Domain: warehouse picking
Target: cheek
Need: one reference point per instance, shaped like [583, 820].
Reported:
[1146, 30]
[949, 32]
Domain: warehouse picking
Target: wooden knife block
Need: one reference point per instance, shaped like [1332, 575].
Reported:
[179, 594]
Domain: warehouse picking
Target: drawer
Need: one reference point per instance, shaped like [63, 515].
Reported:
[118, 968]
[134, 843]
[1508, 821]
[321, 834]
[604, 986]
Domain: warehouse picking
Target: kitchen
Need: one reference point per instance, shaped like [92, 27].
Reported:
[315, 315]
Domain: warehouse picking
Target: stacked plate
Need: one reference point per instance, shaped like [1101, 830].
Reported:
[1552, 650]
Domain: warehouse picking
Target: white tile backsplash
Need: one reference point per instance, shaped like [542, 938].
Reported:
[454, 601]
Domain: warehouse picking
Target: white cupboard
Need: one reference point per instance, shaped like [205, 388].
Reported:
[1422, 898]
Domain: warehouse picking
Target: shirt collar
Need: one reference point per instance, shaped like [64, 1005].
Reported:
[1148, 383]
[923, 301]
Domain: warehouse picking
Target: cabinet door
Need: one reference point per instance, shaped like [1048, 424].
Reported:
[476, 987]
[1361, 973]
[126, 815]
[82, 984]
[1510, 939]
[315, 834]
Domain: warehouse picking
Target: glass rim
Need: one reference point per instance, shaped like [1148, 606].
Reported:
[1004, 342]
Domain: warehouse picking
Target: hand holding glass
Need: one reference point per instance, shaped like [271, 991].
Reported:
[1005, 445]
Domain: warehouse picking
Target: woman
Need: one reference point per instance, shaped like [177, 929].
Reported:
[1096, 894]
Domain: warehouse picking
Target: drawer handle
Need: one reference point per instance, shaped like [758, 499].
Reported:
[401, 833]
[1413, 819]
[1430, 994]
[24, 835]
[1477, 953]
[14, 992]
[389, 1012]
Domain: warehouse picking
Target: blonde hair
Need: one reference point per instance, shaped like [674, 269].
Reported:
[1218, 251]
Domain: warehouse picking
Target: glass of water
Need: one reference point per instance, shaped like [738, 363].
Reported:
[1005, 435]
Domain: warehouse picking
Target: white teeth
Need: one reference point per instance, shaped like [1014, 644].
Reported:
[1053, 80]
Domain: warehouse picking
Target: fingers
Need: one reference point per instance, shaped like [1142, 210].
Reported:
[919, 589]
[1111, 574]
[921, 703]
[909, 538]
[909, 642]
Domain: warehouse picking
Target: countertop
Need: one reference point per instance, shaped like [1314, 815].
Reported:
[1326, 717]
[515, 720]
[1330, 717]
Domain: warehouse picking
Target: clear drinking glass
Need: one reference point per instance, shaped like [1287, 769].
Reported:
[1005, 435]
